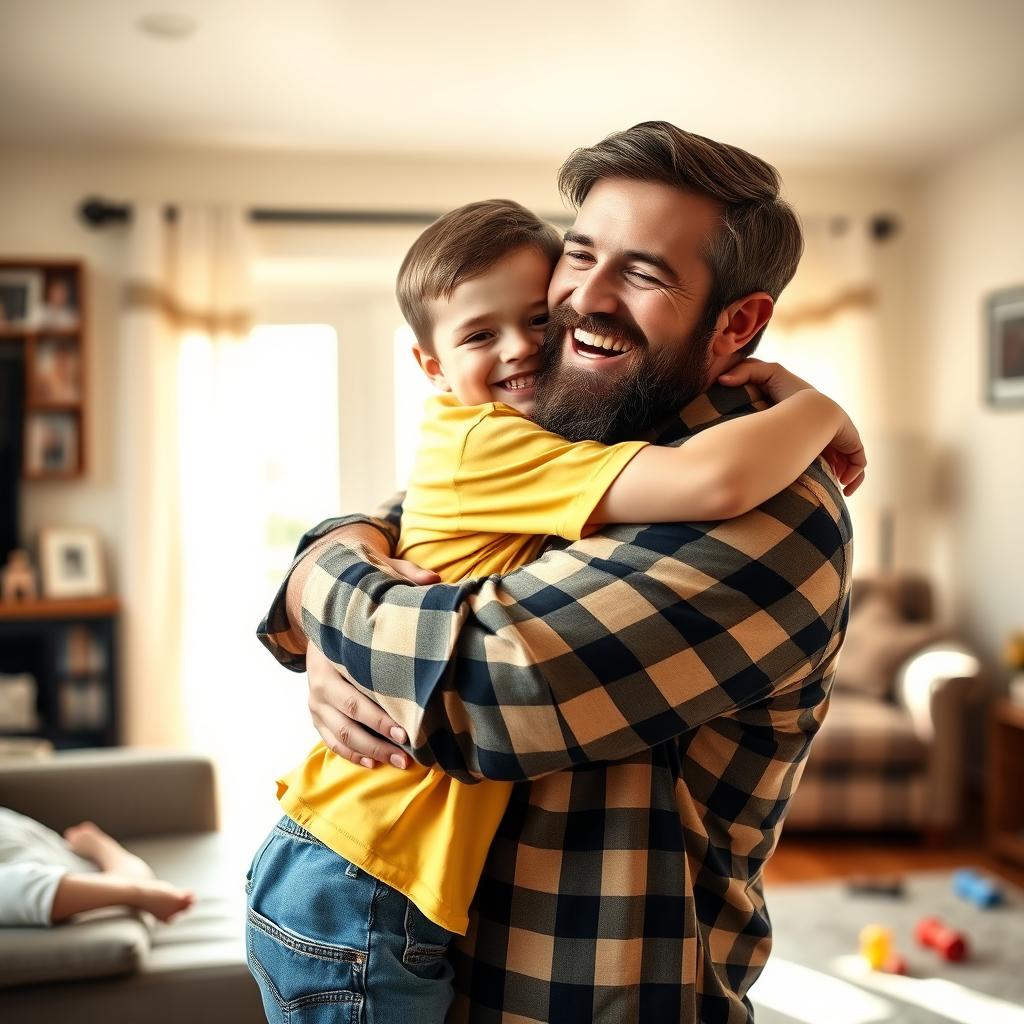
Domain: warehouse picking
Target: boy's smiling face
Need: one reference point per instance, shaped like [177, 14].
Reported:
[487, 334]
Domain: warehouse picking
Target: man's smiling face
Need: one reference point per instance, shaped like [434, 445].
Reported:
[629, 334]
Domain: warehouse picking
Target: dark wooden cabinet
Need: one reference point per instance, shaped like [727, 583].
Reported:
[1005, 776]
[67, 651]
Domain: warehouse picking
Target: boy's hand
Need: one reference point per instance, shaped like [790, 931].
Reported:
[774, 380]
[845, 454]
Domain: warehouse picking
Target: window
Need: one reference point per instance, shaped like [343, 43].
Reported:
[260, 465]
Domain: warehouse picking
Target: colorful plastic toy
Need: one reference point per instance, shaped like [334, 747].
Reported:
[949, 944]
[896, 964]
[876, 945]
[875, 885]
[977, 888]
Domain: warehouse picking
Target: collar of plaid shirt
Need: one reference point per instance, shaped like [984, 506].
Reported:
[654, 691]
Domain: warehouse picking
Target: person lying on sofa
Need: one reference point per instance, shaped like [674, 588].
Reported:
[46, 879]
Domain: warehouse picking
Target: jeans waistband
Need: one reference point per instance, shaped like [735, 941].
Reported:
[286, 824]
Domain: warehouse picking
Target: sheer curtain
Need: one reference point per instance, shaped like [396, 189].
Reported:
[826, 329]
[186, 299]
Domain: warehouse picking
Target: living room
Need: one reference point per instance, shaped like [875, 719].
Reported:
[203, 210]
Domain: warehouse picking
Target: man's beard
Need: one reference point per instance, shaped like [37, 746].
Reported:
[579, 404]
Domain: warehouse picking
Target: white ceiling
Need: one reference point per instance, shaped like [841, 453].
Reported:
[875, 83]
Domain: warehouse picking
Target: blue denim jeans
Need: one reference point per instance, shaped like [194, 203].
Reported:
[328, 942]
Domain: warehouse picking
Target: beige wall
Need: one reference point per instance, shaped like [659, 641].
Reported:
[39, 193]
[972, 214]
[40, 190]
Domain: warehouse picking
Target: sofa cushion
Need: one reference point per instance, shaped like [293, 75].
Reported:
[195, 970]
[862, 731]
[93, 946]
[878, 641]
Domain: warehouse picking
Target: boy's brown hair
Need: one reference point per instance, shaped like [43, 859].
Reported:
[759, 243]
[463, 244]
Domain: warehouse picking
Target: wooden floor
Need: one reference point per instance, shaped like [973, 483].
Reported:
[806, 858]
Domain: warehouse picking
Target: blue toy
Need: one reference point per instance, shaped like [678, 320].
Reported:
[979, 890]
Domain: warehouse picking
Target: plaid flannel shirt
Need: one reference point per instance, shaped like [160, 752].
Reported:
[653, 691]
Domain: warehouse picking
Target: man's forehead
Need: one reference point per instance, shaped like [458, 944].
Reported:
[626, 214]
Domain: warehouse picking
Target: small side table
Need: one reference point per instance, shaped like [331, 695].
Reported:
[1005, 804]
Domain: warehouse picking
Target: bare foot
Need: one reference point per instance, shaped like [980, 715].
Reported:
[163, 900]
[91, 842]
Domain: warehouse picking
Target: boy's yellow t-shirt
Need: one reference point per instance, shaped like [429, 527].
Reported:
[488, 486]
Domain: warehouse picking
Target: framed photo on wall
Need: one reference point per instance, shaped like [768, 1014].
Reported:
[57, 371]
[71, 560]
[52, 446]
[20, 295]
[1006, 348]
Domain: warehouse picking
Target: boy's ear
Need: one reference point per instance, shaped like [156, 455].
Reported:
[431, 367]
[740, 321]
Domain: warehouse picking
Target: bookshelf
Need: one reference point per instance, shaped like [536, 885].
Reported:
[42, 312]
[58, 671]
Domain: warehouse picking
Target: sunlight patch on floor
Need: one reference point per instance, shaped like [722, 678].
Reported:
[811, 997]
[944, 998]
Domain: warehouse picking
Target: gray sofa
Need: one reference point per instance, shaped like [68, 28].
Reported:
[162, 807]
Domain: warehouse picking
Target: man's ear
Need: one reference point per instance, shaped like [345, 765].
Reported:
[431, 367]
[740, 321]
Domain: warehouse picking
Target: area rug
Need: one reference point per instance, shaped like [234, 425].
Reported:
[815, 975]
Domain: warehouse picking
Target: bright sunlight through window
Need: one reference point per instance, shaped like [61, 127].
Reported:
[260, 459]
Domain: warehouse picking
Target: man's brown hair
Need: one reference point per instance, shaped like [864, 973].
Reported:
[759, 244]
[463, 244]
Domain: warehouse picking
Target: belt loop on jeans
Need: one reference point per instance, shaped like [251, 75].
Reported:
[352, 871]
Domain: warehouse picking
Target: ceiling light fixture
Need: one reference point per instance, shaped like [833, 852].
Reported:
[167, 24]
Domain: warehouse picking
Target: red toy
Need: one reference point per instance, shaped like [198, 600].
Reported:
[949, 944]
[896, 964]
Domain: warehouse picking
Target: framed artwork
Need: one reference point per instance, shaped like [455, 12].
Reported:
[20, 295]
[59, 306]
[1005, 386]
[51, 444]
[57, 371]
[71, 562]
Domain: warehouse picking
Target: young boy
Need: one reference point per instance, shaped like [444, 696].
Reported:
[356, 894]
[46, 879]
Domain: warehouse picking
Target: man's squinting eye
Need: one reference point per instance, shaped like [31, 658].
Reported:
[540, 320]
[646, 278]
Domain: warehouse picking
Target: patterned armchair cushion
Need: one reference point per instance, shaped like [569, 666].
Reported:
[878, 641]
[867, 733]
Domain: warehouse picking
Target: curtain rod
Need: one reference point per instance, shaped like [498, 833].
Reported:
[98, 213]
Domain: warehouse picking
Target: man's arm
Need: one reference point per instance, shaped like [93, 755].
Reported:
[595, 652]
[281, 630]
[355, 726]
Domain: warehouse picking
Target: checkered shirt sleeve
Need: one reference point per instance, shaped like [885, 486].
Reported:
[598, 650]
[657, 689]
[274, 627]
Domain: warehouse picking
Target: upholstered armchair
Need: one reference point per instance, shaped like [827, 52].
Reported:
[890, 754]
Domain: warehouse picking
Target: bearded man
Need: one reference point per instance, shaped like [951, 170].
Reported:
[652, 689]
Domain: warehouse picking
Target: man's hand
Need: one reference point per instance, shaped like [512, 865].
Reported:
[845, 453]
[340, 711]
[349, 723]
